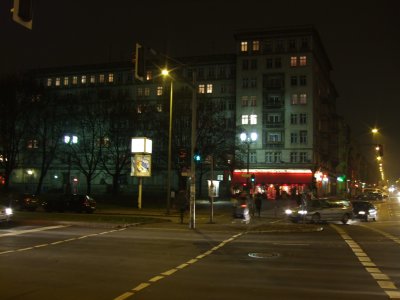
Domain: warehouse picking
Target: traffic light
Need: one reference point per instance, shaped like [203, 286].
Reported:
[139, 62]
[341, 178]
[253, 178]
[197, 156]
[22, 12]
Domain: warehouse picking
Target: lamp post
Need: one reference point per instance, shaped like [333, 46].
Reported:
[248, 139]
[165, 72]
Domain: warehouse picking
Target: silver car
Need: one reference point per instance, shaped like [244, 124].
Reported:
[5, 213]
[322, 209]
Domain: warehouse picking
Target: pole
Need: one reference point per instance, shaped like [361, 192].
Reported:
[212, 191]
[192, 222]
[169, 148]
[140, 193]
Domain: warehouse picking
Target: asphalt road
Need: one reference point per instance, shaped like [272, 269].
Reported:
[231, 261]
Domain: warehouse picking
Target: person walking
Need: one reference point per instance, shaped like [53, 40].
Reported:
[258, 202]
[181, 203]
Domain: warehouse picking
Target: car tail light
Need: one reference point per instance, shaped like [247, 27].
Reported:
[243, 205]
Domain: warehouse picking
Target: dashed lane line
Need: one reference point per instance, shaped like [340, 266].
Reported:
[56, 242]
[382, 279]
[165, 274]
[32, 230]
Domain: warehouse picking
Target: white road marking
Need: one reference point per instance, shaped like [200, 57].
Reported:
[32, 230]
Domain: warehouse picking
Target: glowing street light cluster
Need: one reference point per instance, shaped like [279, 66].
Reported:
[379, 154]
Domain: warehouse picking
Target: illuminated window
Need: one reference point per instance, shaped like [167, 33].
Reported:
[209, 88]
[75, 80]
[105, 142]
[245, 119]
[101, 78]
[92, 79]
[295, 99]
[293, 61]
[303, 98]
[139, 108]
[256, 46]
[83, 79]
[303, 60]
[33, 144]
[274, 137]
[110, 77]
[253, 101]
[245, 101]
[243, 47]
[253, 119]
[66, 81]
[159, 91]
[159, 107]
[149, 75]
[147, 91]
[49, 81]
[202, 89]
[58, 81]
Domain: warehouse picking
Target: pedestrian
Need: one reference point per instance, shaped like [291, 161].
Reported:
[258, 202]
[181, 203]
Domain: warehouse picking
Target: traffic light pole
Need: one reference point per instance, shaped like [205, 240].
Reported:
[192, 212]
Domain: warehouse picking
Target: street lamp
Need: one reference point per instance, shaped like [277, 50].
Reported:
[165, 73]
[248, 139]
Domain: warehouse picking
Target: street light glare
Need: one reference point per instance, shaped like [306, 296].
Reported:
[374, 130]
[164, 72]
[254, 136]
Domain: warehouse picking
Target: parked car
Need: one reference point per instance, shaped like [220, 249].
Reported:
[364, 210]
[25, 202]
[5, 213]
[321, 210]
[74, 202]
[370, 196]
[241, 208]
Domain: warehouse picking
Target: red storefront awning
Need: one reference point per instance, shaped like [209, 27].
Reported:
[274, 177]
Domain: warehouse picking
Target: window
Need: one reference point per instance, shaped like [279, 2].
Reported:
[293, 61]
[200, 73]
[147, 91]
[140, 91]
[253, 64]
[292, 44]
[253, 119]
[303, 61]
[274, 118]
[268, 157]
[243, 46]
[92, 79]
[209, 88]
[294, 138]
[74, 80]
[294, 99]
[101, 78]
[303, 80]
[273, 157]
[293, 80]
[278, 62]
[303, 137]
[245, 101]
[274, 137]
[253, 101]
[83, 79]
[269, 63]
[293, 119]
[274, 99]
[58, 81]
[279, 45]
[277, 157]
[303, 157]
[139, 108]
[303, 98]
[66, 81]
[211, 72]
[222, 72]
[304, 43]
[245, 119]
[33, 144]
[110, 77]
[159, 91]
[245, 82]
[293, 157]
[159, 107]
[149, 75]
[253, 82]
[268, 46]
[303, 119]
[253, 157]
[49, 82]
[256, 46]
[202, 89]
[245, 64]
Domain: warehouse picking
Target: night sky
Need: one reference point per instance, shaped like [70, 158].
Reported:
[361, 38]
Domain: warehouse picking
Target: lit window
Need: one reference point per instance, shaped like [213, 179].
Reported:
[209, 88]
[83, 79]
[303, 98]
[243, 47]
[159, 107]
[245, 119]
[303, 60]
[110, 77]
[33, 144]
[49, 81]
[58, 81]
[139, 109]
[92, 79]
[202, 89]
[66, 81]
[159, 91]
[245, 101]
[101, 78]
[149, 75]
[274, 137]
[295, 99]
[256, 46]
[253, 119]
[75, 80]
[293, 61]
[147, 91]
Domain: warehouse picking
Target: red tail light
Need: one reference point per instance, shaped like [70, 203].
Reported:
[243, 205]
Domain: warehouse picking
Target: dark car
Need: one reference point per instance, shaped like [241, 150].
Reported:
[371, 196]
[74, 203]
[26, 202]
[364, 210]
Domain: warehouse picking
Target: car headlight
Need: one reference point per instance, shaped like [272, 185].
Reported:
[288, 211]
[302, 212]
[8, 211]
[361, 212]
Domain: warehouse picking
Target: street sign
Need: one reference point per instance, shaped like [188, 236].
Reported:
[245, 175]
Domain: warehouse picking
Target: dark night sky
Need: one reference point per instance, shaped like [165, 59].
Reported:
[361, 38]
